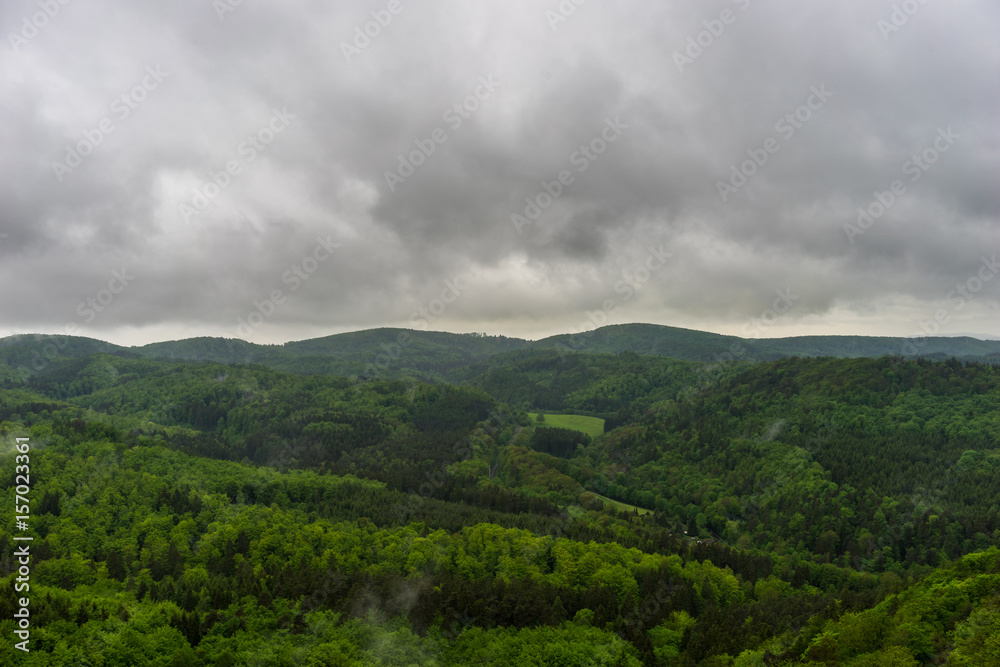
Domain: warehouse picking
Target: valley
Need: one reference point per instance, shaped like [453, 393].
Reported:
[214, 502]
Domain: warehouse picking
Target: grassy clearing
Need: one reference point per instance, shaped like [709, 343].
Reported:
[592, 426]
[621, 505]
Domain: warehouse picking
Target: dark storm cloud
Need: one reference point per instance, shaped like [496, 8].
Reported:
[238, 147]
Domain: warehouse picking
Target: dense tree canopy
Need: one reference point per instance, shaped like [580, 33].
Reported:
[798, 511]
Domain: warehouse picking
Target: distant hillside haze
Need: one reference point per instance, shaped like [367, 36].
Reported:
[390, 352]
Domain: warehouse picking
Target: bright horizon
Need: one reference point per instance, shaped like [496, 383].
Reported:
[137, 342]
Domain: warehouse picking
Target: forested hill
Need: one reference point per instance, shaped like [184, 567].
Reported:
[652, 339]
[797, 511]
[838, 450]
[377, 353]
[429, 350]
[393, 353]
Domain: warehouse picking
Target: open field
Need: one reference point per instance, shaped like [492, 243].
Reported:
[622, 506]
[592, 426]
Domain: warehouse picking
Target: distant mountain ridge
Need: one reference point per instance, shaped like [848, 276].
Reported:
[389, 352]
[693, 345]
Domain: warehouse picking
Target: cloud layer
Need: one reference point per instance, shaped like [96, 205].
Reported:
[511, 167]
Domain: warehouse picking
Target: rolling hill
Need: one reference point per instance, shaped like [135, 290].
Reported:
[794, 511]
[441, 356]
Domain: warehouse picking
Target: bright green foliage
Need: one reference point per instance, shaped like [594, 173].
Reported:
[668, 638]
[592, 426]
[804, 511]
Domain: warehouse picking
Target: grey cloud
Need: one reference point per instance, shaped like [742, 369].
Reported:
[654, 185]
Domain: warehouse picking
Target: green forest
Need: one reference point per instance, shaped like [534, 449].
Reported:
[209, 502]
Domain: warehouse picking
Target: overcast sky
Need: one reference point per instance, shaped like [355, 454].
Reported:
[713, 157]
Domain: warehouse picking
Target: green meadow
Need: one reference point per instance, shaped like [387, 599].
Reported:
[592, 426]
